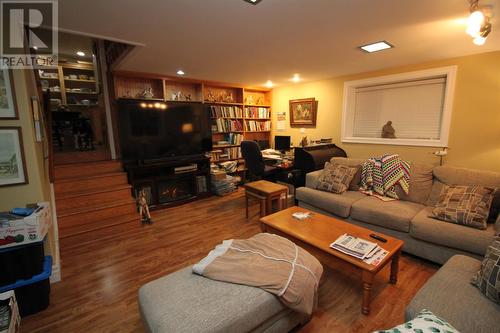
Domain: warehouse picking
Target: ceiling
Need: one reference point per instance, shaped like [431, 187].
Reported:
[234, 41]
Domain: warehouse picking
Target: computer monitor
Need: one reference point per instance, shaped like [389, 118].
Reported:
[282, 142]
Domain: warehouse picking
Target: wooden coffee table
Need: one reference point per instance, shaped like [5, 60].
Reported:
[315, 235]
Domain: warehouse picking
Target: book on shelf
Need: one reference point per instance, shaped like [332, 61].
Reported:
[369, 252]
[257, 112]
[232, 153]
[227, 125]
[252, 125]
[223, 111]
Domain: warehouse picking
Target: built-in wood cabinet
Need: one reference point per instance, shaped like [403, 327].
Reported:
[237, 113]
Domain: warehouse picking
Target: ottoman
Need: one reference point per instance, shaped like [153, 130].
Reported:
[186, 302]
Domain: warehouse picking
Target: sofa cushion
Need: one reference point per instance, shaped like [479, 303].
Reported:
[335, 178]
[351, 162]
[465, 205]
[449, 295]
[338, 204]
[424, 322]
[488, 277]
[395, 215]
[420, 184]
[451, 235]
[462, 176]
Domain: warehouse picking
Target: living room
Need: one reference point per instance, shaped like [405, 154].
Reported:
[194, 166]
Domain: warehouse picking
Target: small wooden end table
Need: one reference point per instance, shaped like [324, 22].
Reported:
[315, 235]
[266, 192]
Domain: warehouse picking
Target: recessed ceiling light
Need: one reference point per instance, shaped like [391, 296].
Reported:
[374, 47]
[35, 47]
[80, 54]
[180, 72]
[296, 77]
[253, 2]
[269, 84]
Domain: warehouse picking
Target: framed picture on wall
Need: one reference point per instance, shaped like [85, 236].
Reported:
[8, 108]
[303, 112]
[12, 162]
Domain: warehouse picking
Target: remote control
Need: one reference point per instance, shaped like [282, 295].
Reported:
[377, 237]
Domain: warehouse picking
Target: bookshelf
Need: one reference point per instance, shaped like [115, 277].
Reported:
[237, 113]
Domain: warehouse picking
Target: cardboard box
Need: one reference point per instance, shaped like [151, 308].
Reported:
[27, 230]
[15, 320]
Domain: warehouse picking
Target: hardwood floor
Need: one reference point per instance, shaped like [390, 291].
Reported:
[102, 272]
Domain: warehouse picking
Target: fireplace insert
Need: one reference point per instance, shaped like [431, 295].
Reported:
[175, 190]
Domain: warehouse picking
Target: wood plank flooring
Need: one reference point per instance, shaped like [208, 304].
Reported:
[103, 271]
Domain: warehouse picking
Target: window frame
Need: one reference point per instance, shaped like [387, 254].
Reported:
[350, 95]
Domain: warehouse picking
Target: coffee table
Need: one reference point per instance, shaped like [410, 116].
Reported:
[315, 235]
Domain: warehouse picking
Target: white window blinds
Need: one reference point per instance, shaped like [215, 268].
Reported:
[414, 107]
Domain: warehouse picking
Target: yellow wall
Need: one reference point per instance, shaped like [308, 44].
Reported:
[38, 187]
[474, 139]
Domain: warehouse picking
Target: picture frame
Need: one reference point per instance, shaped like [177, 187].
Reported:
[12, 160]
[8, 106]
[303, 112]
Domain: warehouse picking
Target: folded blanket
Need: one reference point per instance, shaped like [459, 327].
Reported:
[270, 262]
[382, 174]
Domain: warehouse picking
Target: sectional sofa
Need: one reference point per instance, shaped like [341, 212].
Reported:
[407, 218]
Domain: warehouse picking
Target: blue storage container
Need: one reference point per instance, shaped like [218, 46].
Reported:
[21, 262]
[33, 294]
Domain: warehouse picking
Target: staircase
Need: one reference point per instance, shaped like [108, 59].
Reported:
[91, 196]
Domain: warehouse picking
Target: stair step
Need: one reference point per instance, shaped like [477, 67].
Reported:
[92, 215]
[66, 203]
[81, 156]
[79, 170]
[69, 231]
[73, 185]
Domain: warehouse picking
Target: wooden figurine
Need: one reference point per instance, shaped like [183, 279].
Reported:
[142, 207]
[147, 93]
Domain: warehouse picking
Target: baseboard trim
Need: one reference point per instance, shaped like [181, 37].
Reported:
[56, 274]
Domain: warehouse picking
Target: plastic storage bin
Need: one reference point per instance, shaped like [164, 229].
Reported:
[21, 262]
[33, 294]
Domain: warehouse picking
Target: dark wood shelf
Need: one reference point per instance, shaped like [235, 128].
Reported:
[223, 103]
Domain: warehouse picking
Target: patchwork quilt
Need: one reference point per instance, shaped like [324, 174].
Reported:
[382, 174]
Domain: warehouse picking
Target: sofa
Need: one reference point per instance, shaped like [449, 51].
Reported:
[407, 218]
[469, 311]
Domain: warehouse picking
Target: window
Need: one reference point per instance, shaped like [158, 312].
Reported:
[417, 105]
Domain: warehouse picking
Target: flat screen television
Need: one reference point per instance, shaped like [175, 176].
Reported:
[149, 132]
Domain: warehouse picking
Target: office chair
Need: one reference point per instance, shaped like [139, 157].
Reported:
[254, 162]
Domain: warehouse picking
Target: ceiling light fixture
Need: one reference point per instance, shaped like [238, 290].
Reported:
[80, 54]
[253, 2]
[269, 84]
[296, 78]
[180, 72]
[377, 46]
[478, 24]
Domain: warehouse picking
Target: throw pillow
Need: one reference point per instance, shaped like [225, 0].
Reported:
[424, 322]
[465, 205]
[488, 277]
[335, 178]
[353, 163]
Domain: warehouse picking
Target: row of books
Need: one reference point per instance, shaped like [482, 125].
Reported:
[256, 112]
[217, 111]
[252, 125]
[225, 154]
[226, 125]
[231, 139]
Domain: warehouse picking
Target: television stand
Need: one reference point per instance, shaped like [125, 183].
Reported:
[170, 182]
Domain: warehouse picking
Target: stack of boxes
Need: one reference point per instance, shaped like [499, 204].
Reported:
[222, 183]
[25, 268]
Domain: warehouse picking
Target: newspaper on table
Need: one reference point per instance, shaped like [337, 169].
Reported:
[369, 252]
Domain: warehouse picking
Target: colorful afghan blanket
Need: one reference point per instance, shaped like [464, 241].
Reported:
[382, 174]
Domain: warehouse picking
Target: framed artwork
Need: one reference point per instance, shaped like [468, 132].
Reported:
[12, 162]
[8, 108]
[303, 112]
